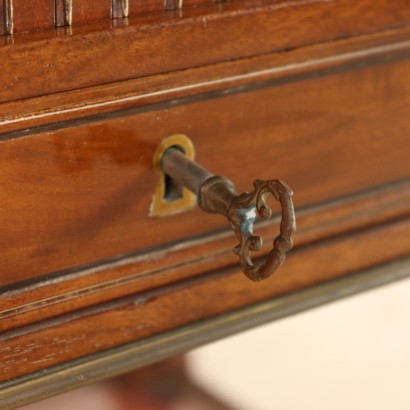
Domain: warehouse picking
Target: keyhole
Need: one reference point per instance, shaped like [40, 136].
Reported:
[170, 197]
[173, 190]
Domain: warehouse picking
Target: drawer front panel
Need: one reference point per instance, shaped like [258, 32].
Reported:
[81, 193]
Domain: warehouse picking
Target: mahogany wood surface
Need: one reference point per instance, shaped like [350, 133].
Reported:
[22, 304]
[312, 92]
[41, 14]
[147, 313]
[27, 16]
[96, 179]
[197, 2]
[37, 14]
[85, 11]
[2, 18]
[143, 6]
[61, 13]
[157, 43]
[16, 118]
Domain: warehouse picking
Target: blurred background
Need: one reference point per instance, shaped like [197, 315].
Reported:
[350, 354]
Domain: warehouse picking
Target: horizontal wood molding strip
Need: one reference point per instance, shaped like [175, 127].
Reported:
[70, 375]
[23, 304]
[33, 114]
[46, 14]
[161, 43]
[146, 314]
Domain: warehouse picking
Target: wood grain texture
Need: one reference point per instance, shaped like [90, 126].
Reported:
[136, 7]
[8, 18]
[312, 92]
[86, 11]
[125, 358]
[96, 179]
[48, 297]
[197, 2]
[37, 15]
[147, 313]
[63, 13]
[2, 17]
[296, 65]
[159, 43]
[43, 14]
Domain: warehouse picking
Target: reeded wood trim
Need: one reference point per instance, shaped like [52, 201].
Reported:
[18, 16]
[70, 375]
[43, 14]
[181, 42]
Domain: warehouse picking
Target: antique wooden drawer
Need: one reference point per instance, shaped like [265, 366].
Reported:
[88, 275]
[81, 191]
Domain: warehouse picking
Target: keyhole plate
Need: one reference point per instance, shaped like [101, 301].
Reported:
[163, 204]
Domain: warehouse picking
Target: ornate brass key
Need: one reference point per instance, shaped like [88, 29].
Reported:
[217, 194]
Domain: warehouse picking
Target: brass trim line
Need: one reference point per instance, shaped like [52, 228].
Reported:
[58, 379]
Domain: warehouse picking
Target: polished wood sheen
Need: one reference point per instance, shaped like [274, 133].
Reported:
[2, 17]
[121, 359]
[315, 93]
[39, 14]
[52, 296]
[85, 11]
[144, 6]
[97, 182]
[20, 16]
[140, 315]
[159, 43]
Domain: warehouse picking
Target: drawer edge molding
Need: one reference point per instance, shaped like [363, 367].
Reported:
[157, 43]
[67, 109]
[39, 385]
[27, 302]
[152, 312]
